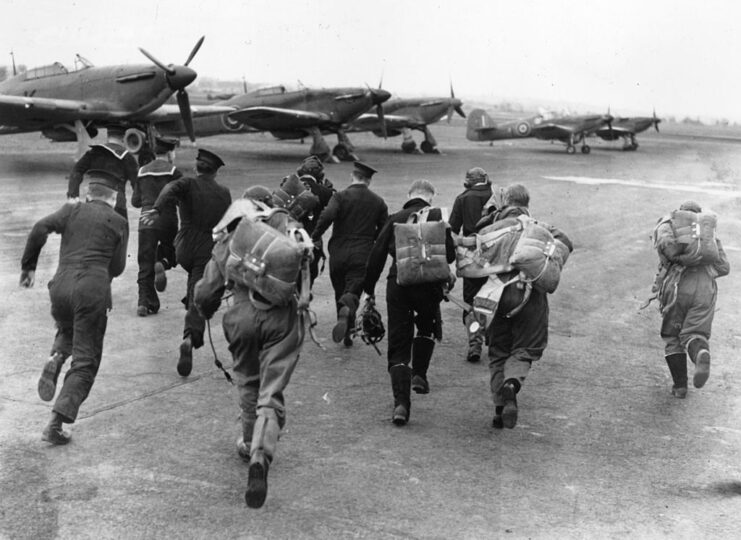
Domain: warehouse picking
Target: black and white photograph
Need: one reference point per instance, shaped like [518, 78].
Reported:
[334, 269]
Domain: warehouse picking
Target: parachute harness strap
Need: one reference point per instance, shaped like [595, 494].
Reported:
[216, 358]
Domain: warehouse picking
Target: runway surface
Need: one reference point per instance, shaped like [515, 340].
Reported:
[601, 448]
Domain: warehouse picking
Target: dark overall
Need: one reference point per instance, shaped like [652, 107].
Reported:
[201, 202]
[92, 252]
[407, 306]
[156, 241]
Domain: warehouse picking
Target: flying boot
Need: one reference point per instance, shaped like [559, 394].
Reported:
[509, 395]
[401, 380]
[264, 440]
[422, 348]
[677, 363]
[53, 431]
[699, 352]
[185, 362]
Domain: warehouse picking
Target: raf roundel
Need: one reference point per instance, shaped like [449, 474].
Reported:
[523, 129]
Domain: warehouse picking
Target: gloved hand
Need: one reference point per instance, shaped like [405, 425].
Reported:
[450, 283]
[148, 217]
[27, 278]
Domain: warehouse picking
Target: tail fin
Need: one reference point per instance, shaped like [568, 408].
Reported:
[478, 123]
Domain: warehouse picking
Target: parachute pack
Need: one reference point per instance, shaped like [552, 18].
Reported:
[688, 235]
[266, 254]
[520, 243]
[420, 249]
[294, 196]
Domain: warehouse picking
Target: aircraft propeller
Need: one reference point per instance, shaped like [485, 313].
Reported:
[655, 121]
[178, 77]
[378, 97]
[455, 105]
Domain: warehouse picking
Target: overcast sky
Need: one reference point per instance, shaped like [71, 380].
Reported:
[630, 55]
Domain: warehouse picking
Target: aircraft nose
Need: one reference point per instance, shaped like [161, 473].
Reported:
[380, 95]
[609, 118]
[182, 77]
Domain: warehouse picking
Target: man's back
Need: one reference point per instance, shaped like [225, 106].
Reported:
[356, 213]
[93, 236]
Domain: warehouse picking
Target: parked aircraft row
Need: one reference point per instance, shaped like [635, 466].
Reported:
[570, 130]
[71, 105]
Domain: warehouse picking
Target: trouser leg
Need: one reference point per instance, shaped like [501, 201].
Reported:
[248, 409]
[401, 384]
[87, 350]
[195, 324]
[422, 348]
[145, 279]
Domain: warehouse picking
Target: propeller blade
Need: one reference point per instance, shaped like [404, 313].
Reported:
[382, 119]
[452, 94]
[167, 69]
[451, 110]
[185, 114]
[460, 112]
[195, 50]
[656, 121]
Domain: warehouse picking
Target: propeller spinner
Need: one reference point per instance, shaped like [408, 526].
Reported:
[178, 78]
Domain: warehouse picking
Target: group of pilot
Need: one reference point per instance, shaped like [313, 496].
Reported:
[265, 340]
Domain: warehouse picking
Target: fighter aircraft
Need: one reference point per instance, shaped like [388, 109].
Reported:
[627, 129]
[401, 116]
[71, 104]
[570, 130]
[298, 114]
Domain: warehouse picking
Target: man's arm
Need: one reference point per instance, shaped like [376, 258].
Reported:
[381, 220]
[456, 216]
[327, 217]
[55, 222]
[377, 258]
[118, 260]
[208, 290]
[722, 267]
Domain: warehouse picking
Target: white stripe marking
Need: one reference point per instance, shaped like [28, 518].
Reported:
[638, 183]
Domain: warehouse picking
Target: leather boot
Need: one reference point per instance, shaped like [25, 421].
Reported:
[699, 352]
[677, 363]
[422, 348]
[47, 385]
[509, 410]
[185, 362]
[401, 380]
[53, 431]
[257, 481]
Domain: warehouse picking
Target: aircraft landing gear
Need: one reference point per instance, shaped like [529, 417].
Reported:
[570, 149]
[319, 146]
[586, 149]
[429, 145]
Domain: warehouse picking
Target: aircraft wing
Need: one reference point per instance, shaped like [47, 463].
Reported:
[617, 131]
[553, 130]
[277, 119]
[24, 110]
[169, 111]
[394, 122]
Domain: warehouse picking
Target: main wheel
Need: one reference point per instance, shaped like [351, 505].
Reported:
[409, 147]
[585, 149]
[342, 152]
[570, 150]
[427, 148]
[133, 140]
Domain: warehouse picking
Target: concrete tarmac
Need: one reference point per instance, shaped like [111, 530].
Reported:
[601, 448]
